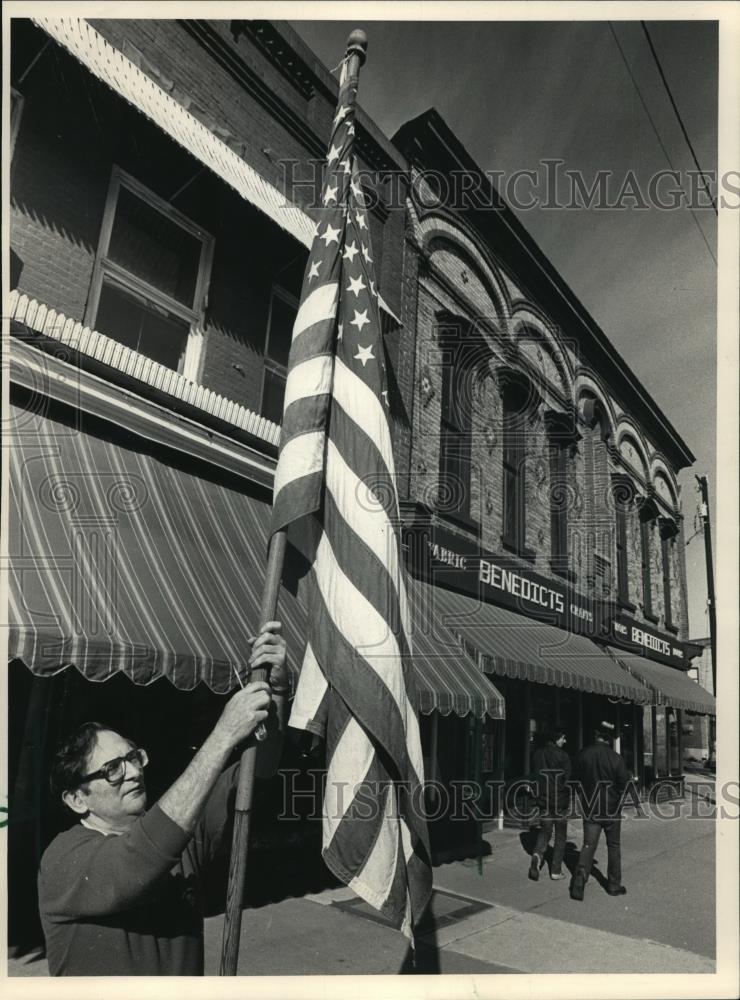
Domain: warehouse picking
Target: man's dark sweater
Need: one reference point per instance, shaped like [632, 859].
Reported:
[131, 904]
[603, 777]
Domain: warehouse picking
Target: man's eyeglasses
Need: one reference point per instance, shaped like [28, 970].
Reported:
[114, 770]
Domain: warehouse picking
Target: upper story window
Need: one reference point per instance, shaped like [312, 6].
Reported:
[283, 309]
[623, 497]
[464, 355]
[668, 532]
[559, 504]
[151, 277]
[455, 433]
[648, 515]
[517, 402]
[562, 436]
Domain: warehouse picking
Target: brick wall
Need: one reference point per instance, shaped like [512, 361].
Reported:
[406, 367]
[75, 129]
[448, 282]
[56, 205]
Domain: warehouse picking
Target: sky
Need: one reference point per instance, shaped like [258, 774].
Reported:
[519, 93]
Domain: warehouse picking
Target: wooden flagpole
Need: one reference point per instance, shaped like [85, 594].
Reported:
[355, 55]
[245, 787]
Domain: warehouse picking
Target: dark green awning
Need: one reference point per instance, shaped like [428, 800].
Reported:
[669, 685]
[512, 645]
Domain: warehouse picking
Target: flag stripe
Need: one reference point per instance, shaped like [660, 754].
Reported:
[314, 341]
[348, 439]
[358, 402]
[309, 378]
[309, 710]
[299, 494]
[351, 764]
[304, 416]
[381, 868]
[370, 699]
[355, 619]
[320, 305]
[303, 455]
[356, 558]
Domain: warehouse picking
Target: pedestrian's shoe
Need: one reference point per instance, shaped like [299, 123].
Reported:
[534, 868]
[556, 876]
[577, 885]
[616, 890]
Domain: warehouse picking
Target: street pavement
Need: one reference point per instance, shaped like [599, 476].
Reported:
[491, 919]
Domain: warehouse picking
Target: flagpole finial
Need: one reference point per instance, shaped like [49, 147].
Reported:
[357, 45]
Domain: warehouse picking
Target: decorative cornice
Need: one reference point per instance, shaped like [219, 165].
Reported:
[647, 505]
[263, 36]
[230, 61]
[562, 425]
[668, 527]
[222, 53]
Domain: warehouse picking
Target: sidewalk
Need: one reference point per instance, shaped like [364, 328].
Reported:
[501, 922]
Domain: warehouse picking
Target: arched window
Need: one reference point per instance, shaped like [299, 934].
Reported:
[648, 516]
[600, 487]
[562, 436]
[517, 405]
[623, 498]
[462, 350]
[668, 532]
[455, 433]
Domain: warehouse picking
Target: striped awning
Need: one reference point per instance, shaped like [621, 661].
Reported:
[123, 76]
[448, 680]
[122, 561]
[669, 685]
[512, 645]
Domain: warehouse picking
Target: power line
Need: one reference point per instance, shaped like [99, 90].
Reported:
[657, 134]
[678, 114]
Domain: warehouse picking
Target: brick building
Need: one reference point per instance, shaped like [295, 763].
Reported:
[541, 493]
[162, 181]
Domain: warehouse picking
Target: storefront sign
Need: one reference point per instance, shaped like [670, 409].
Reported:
[637, 638]
[446, 560]
[449, 561]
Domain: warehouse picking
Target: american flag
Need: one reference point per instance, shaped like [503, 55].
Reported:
[336, 475]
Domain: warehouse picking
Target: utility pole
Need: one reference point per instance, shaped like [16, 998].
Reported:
[704, 514]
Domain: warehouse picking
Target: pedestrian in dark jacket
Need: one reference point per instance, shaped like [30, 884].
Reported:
[602, 779]
[552, 767]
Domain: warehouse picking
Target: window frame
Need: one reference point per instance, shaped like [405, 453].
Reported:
[268, 363]
[622, 549]
[562, 438]
[647, 519]
[559, 548]
[16, 113]
[624, 500]
[514, 456]
[192, 359]
[668, 531]
[455, 434]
